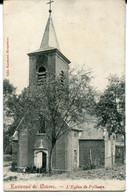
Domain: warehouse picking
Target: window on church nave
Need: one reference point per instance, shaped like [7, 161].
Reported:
[42, 124]
[75, 156]
[41, 75]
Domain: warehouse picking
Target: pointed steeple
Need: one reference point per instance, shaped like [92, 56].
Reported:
[49, 39]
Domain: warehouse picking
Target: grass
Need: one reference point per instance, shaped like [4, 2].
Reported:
[115, 173]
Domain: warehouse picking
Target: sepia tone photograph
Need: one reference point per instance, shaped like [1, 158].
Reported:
[64, 95]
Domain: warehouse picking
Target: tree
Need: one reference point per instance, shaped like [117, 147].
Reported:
[9, 97]
[13, 110]
[58, 103]
[110, 108]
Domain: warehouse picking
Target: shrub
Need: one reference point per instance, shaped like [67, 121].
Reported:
[89, 166]
[14, 166]
[34, 169]
[28, 169]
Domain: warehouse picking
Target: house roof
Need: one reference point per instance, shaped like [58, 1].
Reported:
[81, 125]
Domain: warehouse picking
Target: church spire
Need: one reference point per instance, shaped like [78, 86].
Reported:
[49, 39]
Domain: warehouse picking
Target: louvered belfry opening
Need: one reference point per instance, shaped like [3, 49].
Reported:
[41, 75]
[62, 78]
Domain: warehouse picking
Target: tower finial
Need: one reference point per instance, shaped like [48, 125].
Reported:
[50, 6]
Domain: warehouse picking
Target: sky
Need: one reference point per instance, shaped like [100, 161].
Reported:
[90, 34]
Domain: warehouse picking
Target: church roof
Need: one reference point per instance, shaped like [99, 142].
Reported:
[49, 49]
[49, 39]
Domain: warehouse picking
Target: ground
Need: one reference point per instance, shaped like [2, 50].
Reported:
[115, 173]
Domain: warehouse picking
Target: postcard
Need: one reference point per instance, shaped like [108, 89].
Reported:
[64, 95]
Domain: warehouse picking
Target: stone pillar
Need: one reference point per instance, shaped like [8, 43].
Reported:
[113, 140]
[109, 149]
[23, 149]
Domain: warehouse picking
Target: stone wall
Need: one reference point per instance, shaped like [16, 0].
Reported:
[15, 151]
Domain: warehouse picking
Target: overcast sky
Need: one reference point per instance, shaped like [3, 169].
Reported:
[90, 32]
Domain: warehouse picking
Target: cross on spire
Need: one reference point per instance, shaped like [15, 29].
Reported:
[50, 6]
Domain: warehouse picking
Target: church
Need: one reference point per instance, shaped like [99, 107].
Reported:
[78, 147]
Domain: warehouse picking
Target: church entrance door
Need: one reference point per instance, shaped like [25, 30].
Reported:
[41, 159]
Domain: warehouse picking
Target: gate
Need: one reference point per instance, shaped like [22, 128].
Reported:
[119, 155]
[91, 153]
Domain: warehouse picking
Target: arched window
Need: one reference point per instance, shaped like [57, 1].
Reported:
[41, 75]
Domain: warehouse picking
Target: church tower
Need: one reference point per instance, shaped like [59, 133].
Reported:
[31, 148]
[48, 59]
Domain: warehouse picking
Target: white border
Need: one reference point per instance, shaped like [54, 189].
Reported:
[1, 100]
[1, 128]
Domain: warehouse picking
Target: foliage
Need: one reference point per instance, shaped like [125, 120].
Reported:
[63, 104]
[57, 103]
[110, 108]
[8, 89]
[9, 98]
